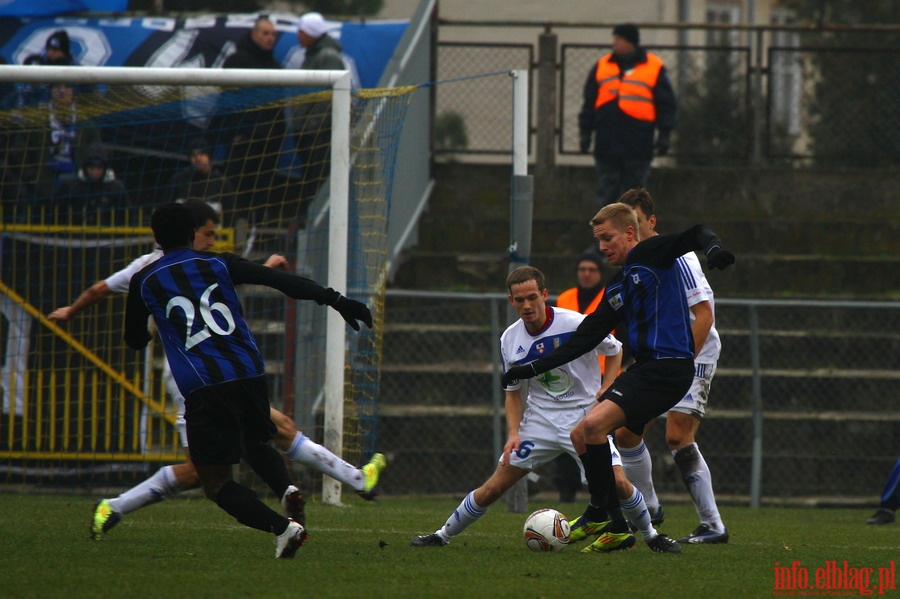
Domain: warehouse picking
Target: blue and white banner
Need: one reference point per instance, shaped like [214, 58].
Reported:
[49, 8]
[203, 41]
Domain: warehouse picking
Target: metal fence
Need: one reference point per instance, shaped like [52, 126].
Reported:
[747, 94]
[803, 404]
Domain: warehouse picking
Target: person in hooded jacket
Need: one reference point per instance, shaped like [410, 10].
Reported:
[312, 121]
[93, 196]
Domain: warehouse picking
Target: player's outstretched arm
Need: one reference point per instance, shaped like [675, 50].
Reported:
[297, 287]
[88, 298]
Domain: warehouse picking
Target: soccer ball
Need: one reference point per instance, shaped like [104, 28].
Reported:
[546, 530]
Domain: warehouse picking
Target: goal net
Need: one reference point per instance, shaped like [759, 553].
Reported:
[294, 162]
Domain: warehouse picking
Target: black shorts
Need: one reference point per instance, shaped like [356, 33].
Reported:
[648, 389]
[222, 418]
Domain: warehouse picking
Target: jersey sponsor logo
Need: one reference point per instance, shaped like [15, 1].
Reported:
[556, 381]
[616, 301]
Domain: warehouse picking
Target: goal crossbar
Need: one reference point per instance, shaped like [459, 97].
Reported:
[168, 76]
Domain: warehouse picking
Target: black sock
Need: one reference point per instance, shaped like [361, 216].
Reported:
[244, 506]
[597, 462]
[269, 465]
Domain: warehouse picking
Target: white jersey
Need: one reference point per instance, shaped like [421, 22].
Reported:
[118, 281]
[568, 386]
[696, 290]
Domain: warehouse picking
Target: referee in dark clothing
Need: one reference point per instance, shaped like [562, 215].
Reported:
[215, 361]
[647, 296]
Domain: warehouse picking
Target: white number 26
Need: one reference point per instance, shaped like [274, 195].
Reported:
[206, 313]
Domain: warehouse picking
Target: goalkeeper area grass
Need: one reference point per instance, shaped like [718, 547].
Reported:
[190, 548]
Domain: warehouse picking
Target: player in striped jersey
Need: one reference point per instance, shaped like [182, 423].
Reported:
[647, 296]
[684, 418]
[173, 479]
[215, 361]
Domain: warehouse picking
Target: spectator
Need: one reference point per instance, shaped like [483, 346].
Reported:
[312, 120]
[93, 196]
[627, 96]
[254, 137]
[583, 298]
[57, 52]
[204, 181]
[46, 149]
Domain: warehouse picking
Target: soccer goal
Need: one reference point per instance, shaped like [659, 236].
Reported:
[295, 162]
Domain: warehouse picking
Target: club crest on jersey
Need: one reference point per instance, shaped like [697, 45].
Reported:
[616, 301]
[555, 342]
[539, 347]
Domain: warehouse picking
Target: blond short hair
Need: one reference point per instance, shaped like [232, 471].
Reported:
[621, 215]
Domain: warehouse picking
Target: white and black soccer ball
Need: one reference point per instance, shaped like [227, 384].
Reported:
[546, 530]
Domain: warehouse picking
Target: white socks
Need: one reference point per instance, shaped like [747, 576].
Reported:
[636, 511]
[639, 470]
[310, 453]
[698, 480]
[156, 488]
[467, 513]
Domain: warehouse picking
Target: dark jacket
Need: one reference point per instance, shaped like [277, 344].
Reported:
[250, 56]
[188, 184]
[104, 203]
[263, 129]
[617, 135]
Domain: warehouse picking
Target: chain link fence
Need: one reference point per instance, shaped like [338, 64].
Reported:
[803, 404]
[474, 101]
[746, 95]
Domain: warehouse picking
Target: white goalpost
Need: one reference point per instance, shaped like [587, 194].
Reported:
[339, 82]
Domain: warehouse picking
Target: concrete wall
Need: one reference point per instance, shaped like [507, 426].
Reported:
[797, 233]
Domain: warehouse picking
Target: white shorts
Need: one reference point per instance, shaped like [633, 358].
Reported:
[175, 394]
[694, 403]
[544, 435]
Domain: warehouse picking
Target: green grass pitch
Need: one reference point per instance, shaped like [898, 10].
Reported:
[190, 548]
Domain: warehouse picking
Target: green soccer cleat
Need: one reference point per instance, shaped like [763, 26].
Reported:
[582, 528]
[372, 472]
[104, 519]
[611, 541]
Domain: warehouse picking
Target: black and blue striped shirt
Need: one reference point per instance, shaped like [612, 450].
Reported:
[647, 295]
[191, 296]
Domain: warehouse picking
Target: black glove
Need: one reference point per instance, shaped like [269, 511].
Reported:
[585, 143]
[512, 376]
[716, 257]
[352, 311]
[662, 143]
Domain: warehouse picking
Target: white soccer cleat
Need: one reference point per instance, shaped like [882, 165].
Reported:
[288, 542]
